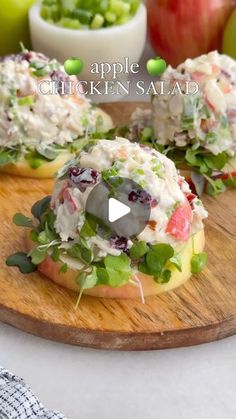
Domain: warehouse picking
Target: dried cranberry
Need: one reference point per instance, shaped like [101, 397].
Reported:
[63, 82]
[141, 196]
[119, 243]
[192, 186]
[27, 55]
[74, 171]
[83, 177]
[190, 197]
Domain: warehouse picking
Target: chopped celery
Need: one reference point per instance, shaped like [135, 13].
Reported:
[97, 21]
[66, 22]
[89, 14]
[83, 16]
[110, 17]
[26, 101]
[68, 5]
[119, 7]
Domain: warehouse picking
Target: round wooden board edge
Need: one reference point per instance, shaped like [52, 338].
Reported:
[126, 341]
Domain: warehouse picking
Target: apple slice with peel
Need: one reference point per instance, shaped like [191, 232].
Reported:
[149, 286]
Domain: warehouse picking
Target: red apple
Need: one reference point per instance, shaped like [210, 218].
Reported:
[181, 29]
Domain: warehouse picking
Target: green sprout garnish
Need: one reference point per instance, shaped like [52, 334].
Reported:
[157, 260]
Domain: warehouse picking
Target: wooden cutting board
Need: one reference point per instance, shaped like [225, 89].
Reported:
[203, 310]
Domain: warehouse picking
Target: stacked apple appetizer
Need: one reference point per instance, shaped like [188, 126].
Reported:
[40, 132]
[197, 131]
[66, 246]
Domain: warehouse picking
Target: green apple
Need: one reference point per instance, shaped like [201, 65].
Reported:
[229, 37]
[156, 66]
[14, 26]
[73, 66]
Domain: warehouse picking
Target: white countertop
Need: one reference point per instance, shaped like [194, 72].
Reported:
[197, 382]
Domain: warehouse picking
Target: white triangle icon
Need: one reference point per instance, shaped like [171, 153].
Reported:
[116, 210]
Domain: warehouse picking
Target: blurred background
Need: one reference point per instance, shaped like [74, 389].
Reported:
[102, 30]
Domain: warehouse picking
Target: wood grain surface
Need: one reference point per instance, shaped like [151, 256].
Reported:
[203, 310]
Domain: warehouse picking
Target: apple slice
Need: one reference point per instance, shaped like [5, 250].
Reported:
[149, 286]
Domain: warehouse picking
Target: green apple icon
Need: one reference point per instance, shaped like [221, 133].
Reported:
[156, 66]
[73, 66]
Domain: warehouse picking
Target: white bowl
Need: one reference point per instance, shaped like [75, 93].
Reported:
[109, 45]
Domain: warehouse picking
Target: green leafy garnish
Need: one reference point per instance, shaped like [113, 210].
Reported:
[155, 261]
[80, 251]
[5, 157]
[198, 262]
[147, 135]
[111, 172]
[204, 163]
[38, 255]
[215, 187]
[64, 268]
[230, 181]
[22, 220]
[40, 207]
[47, 235]
[39, 68]
[87, 280]
[176, 261]
[55, 254]
[165, 277]
[138, 250]
[35, 159]
[87, 229]
[22, 261]
[34, 236]
[118, 270]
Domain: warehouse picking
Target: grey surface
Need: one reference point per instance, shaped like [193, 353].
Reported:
[196, 383]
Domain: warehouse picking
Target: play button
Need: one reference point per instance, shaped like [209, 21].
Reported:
[116, 210]
[119, 207]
